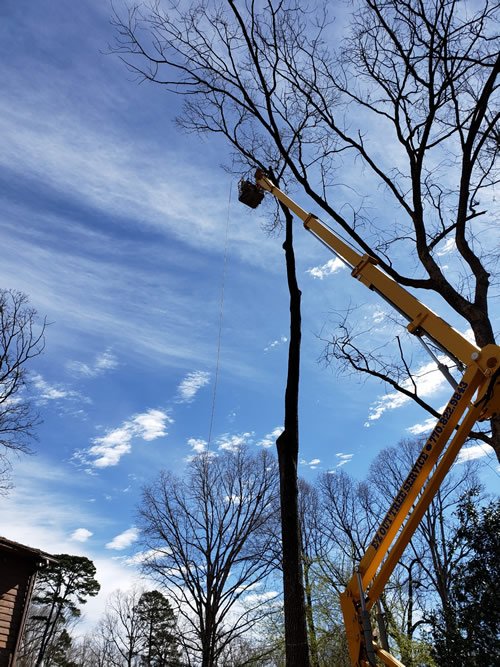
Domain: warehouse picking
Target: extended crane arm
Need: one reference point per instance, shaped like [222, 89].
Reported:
[476, 397]
[364, 267]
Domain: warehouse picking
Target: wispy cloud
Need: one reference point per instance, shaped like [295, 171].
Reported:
[332, 266]
[344, 458]
[313, 463]
[103, 362]
[270, 439]
[428, 380]
[254, 599]
[140, 557]
[39, 510]
[424, 427]
[191, 385]
[474, 452]
[81, 535]
[379, 316]
[108, 449]
[123, 540]
[51, 392]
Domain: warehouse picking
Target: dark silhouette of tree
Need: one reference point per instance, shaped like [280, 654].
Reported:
[277, 82]
[59, 654]
[158, 629]
[61, 588]
[121, 632]
[467, 632]
[20, 341]
[287, 444]
[208, 538]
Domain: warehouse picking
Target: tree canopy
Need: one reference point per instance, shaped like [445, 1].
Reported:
[21, 339]
[473, 617]
[397, 107]
[61, 588]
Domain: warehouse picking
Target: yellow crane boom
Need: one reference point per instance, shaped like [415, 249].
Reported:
[476, 397]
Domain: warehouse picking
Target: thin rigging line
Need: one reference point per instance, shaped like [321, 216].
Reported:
[221, 316]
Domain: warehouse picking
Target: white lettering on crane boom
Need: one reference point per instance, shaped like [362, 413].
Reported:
[419, 464]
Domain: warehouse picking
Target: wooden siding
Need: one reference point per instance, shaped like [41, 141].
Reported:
[18, 565]
[15, 577]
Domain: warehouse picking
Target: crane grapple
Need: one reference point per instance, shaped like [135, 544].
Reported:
[249, 193]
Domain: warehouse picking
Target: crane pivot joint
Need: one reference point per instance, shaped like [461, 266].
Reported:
[365, 260]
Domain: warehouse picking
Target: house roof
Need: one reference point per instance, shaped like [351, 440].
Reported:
[22, 550]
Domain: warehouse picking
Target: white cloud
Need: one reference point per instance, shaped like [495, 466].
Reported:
[474, 452]
[332, 266]
[191, 385]
[469, 335]
[424, 427]
[270, 439]
[313, 463]
[81, 535]
[40, 513]
[253, 599]
[344, 459]
[232, 443]
[379, 316]
[151, 424]
[197, 445]
[108, 449]
[275, 343]
[140, 557]
[103, 362]
[429, 381]
[446, 248]
[48, 392]
[112, 574]
[123, 540]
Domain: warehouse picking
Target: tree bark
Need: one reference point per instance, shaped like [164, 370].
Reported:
[297, 649]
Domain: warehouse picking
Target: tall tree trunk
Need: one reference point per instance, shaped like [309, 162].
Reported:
[313, 640]
[297, 650]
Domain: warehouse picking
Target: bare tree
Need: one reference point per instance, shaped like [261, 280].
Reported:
[335, 527]
[208, 539]
[420, 75]
[20, 341]
[97, 648]
[121, 629]
[350, 511]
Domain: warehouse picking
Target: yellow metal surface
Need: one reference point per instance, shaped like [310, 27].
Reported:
[387, 658]
[352, 627]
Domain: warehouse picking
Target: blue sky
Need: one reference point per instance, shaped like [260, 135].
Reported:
[114, 224]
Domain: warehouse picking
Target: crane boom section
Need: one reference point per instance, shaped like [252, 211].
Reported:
[421, 318]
